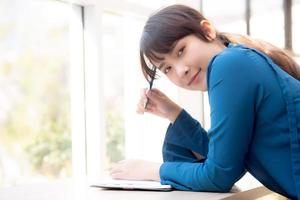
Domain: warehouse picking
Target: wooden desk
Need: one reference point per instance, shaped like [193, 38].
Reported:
[70, 191]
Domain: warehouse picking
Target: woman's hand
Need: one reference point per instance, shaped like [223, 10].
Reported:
[136, 170]
[159, 104]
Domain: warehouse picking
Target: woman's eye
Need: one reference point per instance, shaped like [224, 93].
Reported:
[167, 69]
[180, 51]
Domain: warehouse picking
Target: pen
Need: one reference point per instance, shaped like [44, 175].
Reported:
[151, 84]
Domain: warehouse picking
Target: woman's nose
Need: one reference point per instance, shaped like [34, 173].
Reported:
[183, 70]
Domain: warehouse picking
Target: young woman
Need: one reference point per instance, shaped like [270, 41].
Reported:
[254, 94]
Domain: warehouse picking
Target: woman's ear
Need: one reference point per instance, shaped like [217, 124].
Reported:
[209, 29]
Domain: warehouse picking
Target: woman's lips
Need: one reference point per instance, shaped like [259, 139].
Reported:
[194, 77]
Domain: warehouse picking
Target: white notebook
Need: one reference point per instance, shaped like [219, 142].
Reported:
[131, 185]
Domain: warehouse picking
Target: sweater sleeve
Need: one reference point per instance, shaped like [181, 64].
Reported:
[179, 143]
[232, 97]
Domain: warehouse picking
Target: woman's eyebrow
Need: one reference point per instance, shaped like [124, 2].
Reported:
[173, 46]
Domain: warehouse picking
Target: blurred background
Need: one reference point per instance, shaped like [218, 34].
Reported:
[70, 80]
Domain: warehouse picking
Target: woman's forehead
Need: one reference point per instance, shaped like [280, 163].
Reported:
[161, 49]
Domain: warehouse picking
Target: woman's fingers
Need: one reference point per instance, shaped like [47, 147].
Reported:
[118, 169]
[141, 108]
[143, 92]
[158, 103]
[115, 171]
[157, 91]
[117, 176]
[153, 95]
[141, 104]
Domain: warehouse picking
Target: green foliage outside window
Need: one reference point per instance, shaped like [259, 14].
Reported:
[115, 136]
[35, 124]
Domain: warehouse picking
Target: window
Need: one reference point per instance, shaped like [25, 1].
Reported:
[269, 14]
[35, 99]
[296, 26]
[226, 18]
[154, 4]
[112, 42]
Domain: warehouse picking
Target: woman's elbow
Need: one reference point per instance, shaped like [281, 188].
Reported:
[222, 181]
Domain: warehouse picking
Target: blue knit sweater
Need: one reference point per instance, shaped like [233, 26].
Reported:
[255, 127]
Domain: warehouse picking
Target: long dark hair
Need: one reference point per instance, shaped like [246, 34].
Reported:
[172, 23]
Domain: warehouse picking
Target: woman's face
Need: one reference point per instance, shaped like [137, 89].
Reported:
[186, 64]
